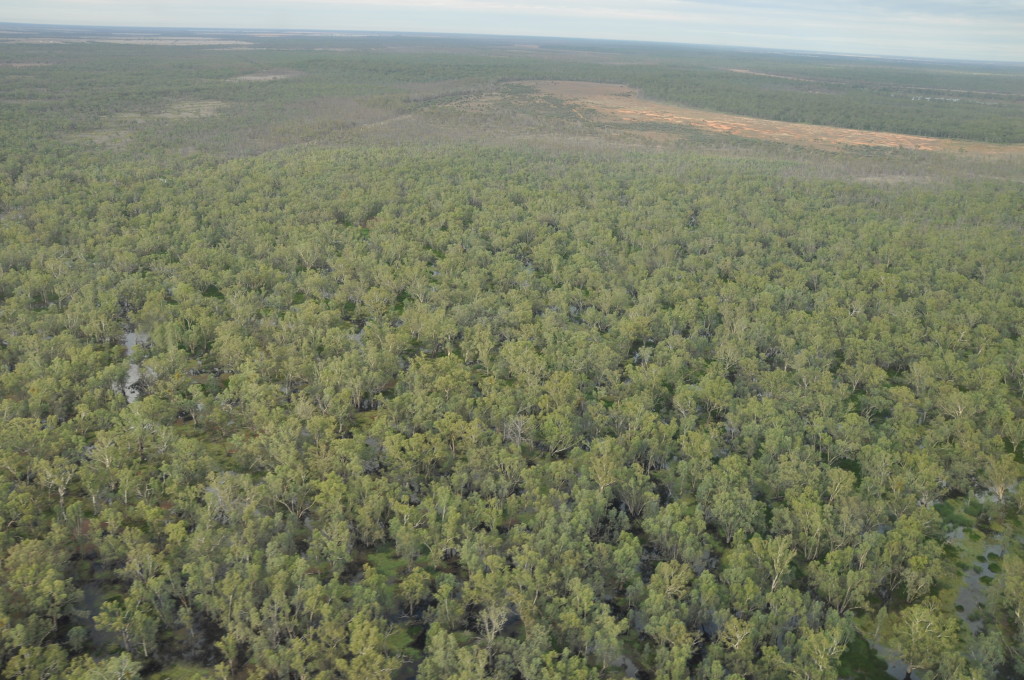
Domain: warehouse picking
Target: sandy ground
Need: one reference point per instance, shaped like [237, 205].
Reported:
[623, 103]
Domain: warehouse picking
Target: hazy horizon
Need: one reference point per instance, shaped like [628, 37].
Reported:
[942, 29]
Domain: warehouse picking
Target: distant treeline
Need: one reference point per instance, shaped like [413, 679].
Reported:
[933, 99]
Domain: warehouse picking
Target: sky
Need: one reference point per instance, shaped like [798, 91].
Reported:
[953, 29]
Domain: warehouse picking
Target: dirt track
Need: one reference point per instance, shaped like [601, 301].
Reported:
[623, 103]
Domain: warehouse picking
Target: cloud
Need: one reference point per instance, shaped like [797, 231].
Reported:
[1009, 14]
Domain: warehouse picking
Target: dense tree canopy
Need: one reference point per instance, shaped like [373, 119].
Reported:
[465, 410]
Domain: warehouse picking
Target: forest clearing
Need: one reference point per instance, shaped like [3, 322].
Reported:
[621, 102]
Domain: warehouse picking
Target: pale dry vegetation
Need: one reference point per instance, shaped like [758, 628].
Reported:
[118, 128]
[265, 76]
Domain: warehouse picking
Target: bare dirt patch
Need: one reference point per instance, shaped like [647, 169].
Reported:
[622, 103]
